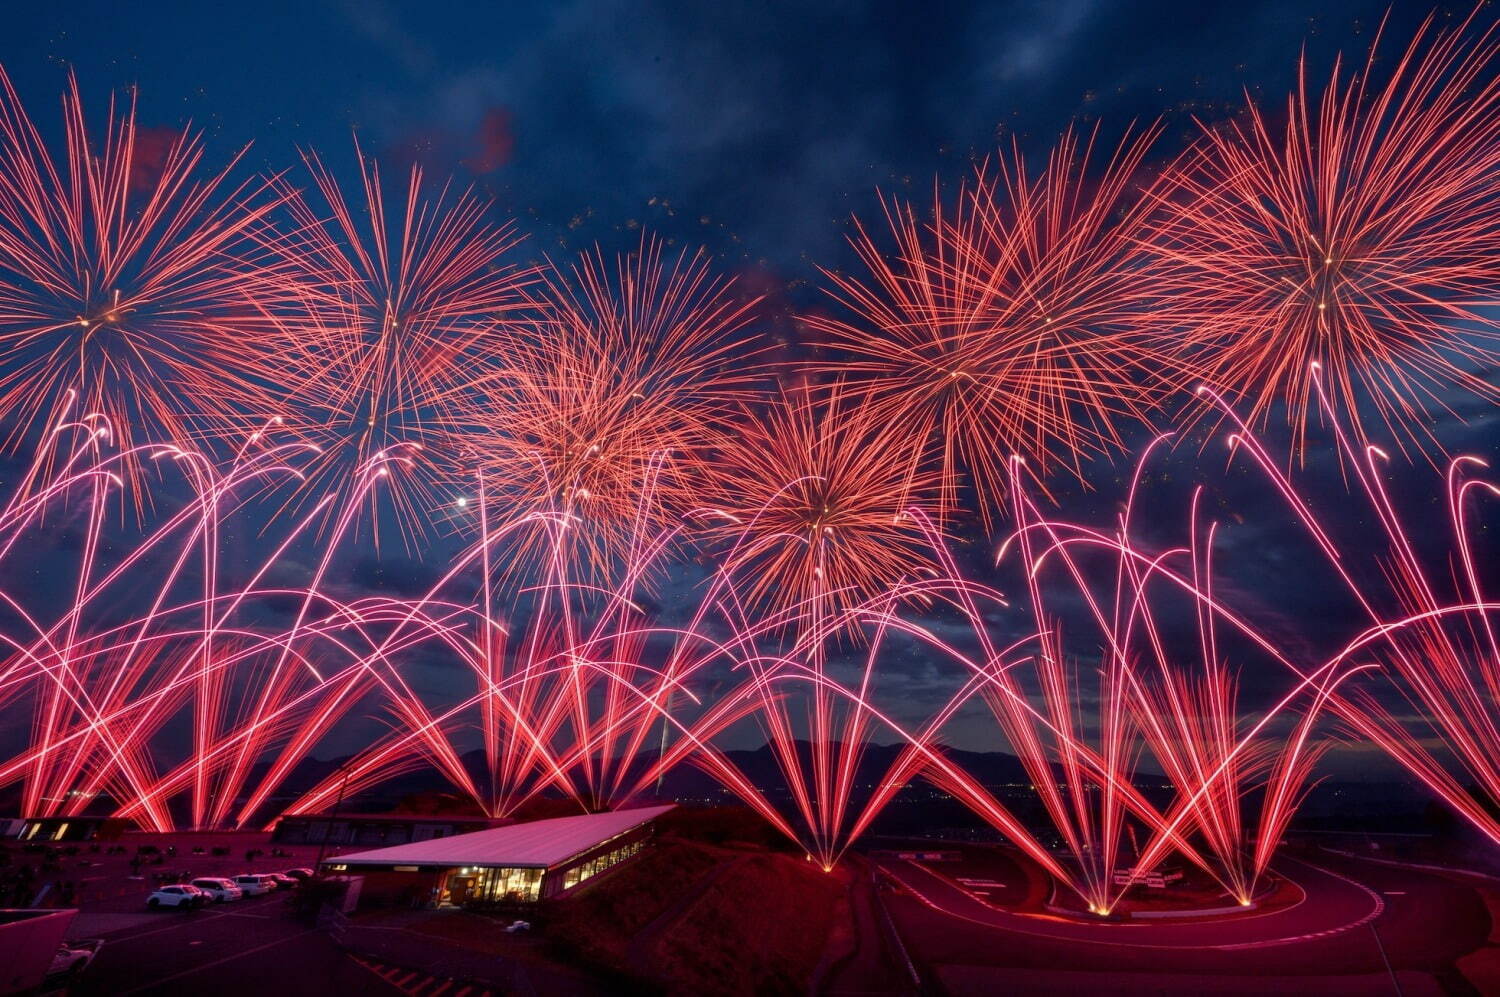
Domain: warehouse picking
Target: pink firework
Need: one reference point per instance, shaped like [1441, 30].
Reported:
[1432, 705]
[131, 275]
[611, 394]
[402, 310]
[1016, 322]
[1356, 232]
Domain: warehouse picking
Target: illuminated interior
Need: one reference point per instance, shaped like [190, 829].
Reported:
[482, 884]
[476, 884]
[596, 865]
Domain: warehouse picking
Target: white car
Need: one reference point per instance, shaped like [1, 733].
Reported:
[219, 889]
[72, 958]
[177, 895]
[254, 884]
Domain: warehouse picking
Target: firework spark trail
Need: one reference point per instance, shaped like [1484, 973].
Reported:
[827, 817]
[565, 696]
[136, 700]
[1190, 718]
[825, 840]
[88, 590]
[1083, 763]
[1443, 661]
[1017, 321]
[1358, 235]
[142, 287]
[104, 688]
[806, 500]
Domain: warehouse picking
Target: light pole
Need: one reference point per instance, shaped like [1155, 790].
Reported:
[333, 818]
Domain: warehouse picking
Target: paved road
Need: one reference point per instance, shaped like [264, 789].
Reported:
[1424, 922]
[872, 968]
[248, 947]
[1330, 902]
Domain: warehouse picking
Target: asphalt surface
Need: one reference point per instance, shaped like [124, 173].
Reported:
[875, 965]
[1357, 925]
[247, 947]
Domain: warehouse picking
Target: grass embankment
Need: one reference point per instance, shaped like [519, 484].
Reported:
[599, 923]
[759, 929]
[741, 914]
[1482, 966]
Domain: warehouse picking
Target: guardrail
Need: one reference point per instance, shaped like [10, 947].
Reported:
[893, 936]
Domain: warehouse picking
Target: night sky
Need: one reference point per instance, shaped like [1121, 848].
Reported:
[755, 130]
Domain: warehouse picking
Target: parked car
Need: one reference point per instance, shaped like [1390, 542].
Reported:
[72, 958]
[518, 927]
[219, 889]
[253, 884]
[284, 881]
[177, 895]
[300, 873]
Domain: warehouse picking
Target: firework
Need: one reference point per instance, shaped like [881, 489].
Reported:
[131, 275]
[622, 377]
[810, 499]
[1082, 749]
[817, 726]
[1016, 322]
[814, 508]
[1357, 234]
[157, 638]
[563, 691]
[399, 314]
[1434, 640]
[303, 366]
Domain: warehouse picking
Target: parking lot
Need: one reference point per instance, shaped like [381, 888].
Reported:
[117, 876]
[247, 946]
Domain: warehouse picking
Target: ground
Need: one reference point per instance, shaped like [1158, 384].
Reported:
[1360, 923]
[242, 948]
[713, 908]
[702, 911]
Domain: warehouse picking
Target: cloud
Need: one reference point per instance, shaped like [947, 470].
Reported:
[1017, 46]
[379, 22]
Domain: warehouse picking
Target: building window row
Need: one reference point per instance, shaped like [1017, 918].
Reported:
[599, 863]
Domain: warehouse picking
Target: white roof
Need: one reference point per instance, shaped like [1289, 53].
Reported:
[534, 844]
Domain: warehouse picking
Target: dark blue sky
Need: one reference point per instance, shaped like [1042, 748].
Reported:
[755, 129]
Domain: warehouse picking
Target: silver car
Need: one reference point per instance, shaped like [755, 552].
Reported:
[219, 889]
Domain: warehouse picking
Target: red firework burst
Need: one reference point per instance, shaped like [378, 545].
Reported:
[129, 279]
[400, 311]
[608, 396]
[1359, 234]
[811, 497]
[1014, 323]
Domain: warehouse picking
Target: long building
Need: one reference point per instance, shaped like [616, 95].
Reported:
[520, 863]
[373, 829]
